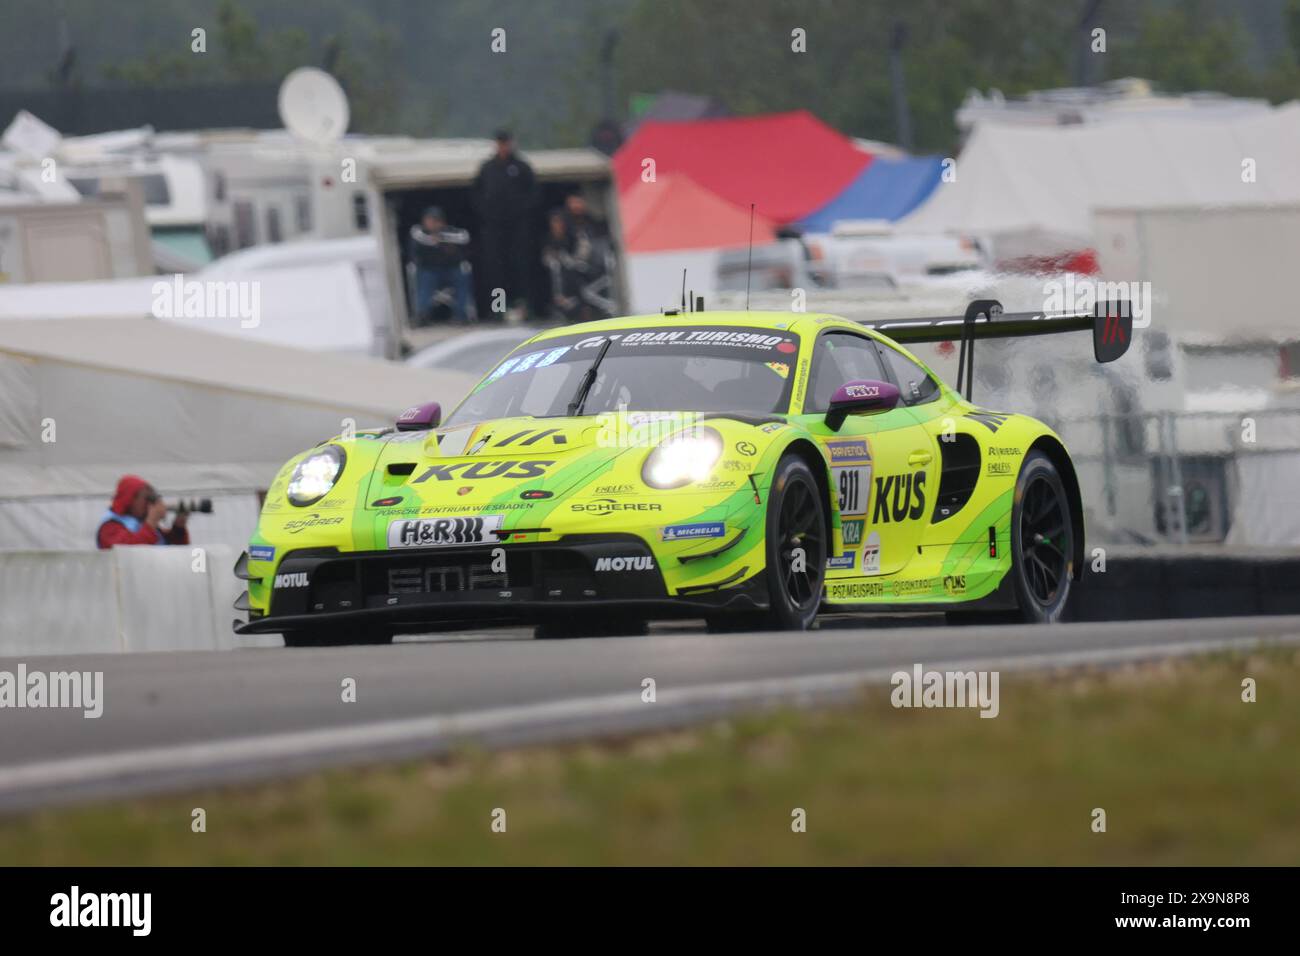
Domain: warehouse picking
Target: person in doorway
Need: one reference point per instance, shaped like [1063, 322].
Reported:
[438, 253]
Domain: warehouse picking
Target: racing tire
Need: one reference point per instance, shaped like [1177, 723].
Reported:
[1042, 542]
[795, 519]
[336, 637]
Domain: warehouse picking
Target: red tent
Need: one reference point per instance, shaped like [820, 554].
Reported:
[789, 164]
[674, 212]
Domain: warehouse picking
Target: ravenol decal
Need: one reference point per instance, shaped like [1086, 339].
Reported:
[681, 532]
[482, 470]
[261, 552]
[908, 494]
[438, 532]
[846, 452]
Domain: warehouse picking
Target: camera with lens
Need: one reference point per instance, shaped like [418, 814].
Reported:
[199, 505]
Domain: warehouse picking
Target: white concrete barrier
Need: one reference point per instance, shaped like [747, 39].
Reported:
[124, 599]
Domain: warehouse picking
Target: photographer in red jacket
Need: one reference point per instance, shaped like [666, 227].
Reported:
[136, 516]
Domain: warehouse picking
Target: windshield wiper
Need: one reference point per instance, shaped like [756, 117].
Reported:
[588, 379]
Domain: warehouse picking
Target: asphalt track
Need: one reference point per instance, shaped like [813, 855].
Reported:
[183, 720]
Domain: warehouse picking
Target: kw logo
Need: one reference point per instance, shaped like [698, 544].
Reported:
[990, 420]
[479, 470]
[908, 493]
[1112, 331]
[534, 437]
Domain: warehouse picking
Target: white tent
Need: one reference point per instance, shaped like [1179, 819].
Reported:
[1049, 180]
[322, 307]
[84, 401]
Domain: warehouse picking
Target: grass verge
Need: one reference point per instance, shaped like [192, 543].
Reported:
[1186, 772]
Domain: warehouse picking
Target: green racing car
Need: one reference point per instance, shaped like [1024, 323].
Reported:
[753, 469]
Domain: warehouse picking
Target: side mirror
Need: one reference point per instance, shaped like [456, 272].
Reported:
[419, 417]
[856, 398]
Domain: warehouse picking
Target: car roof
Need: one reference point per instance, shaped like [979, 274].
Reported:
[798, 322]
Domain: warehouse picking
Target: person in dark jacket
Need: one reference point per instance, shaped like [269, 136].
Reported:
[575, 254]
[136, 515]
[505, 196]
[438, 252]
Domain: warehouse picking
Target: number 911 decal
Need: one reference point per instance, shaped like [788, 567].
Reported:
[851, 473]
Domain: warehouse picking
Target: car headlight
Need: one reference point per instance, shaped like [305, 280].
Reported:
[682, 458]
[315, 476]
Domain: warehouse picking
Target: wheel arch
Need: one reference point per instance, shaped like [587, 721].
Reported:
[1051, 446]
[813, 458]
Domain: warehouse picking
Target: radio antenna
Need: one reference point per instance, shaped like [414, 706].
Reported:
[683, 290]
[749, 266]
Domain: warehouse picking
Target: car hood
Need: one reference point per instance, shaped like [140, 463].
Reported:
[472, 466]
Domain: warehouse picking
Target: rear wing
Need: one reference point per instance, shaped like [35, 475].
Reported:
[1111, 324]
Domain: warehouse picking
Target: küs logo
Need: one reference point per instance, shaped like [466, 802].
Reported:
[208, 299]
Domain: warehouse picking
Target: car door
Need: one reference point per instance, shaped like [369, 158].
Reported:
[882, 463]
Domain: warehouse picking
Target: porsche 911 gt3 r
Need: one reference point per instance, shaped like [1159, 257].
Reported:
[754, 469]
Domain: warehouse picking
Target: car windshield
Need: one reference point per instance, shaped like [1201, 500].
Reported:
[687, 368]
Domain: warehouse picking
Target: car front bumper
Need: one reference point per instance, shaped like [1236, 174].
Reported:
[482, 585]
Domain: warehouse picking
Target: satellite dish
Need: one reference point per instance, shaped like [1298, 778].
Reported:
[313, 106]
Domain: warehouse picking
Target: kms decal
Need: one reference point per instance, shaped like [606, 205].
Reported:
[899, 497]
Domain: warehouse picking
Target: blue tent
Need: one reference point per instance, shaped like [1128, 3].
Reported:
[886, 189]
